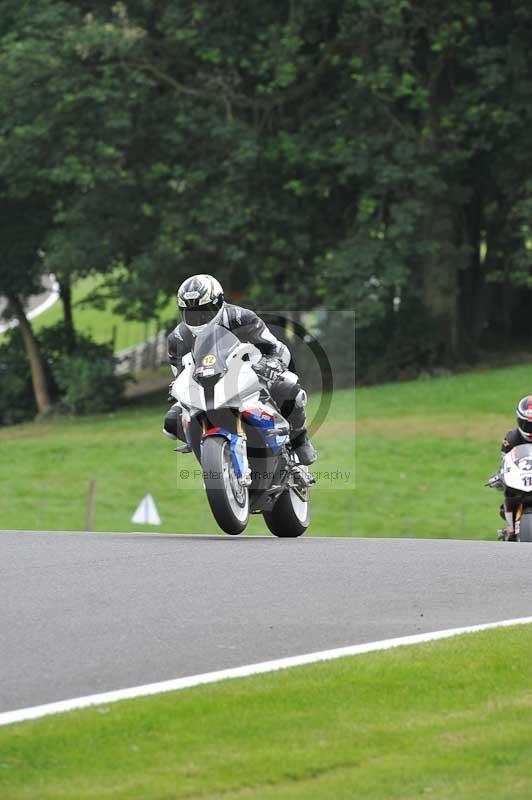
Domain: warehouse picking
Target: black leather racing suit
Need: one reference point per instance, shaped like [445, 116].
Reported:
[283, 385]
[511, 440]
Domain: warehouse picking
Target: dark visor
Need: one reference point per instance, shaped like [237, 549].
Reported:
[199, 315]
[525, 424]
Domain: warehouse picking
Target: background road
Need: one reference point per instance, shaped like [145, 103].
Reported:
[85, 613]
[31, 304]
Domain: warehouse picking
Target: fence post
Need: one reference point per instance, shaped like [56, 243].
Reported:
[89, 521]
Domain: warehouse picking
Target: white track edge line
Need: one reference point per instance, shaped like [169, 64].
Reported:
[23, 714]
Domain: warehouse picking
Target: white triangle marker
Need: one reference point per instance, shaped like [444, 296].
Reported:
[146, 513]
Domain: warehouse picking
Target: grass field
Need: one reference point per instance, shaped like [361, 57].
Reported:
[449, 719]
[46, 468]
[423, 452]
[425, 448]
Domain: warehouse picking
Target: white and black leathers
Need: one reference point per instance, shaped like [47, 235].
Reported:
[244, 323]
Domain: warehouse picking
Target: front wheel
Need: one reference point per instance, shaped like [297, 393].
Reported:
[525, 528]
[290, 516]
[228, 499]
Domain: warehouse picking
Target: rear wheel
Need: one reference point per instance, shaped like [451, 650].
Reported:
[525, 528]
[228, 499]
[290, 516]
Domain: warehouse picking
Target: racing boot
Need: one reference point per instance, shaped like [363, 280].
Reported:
[297, 420]
[303, 448]
[511, 535]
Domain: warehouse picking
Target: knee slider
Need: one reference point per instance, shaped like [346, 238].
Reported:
[301, 399]
[170, 426]
[171, 421]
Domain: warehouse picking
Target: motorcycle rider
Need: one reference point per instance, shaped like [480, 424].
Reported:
[522, 434]
[202, 303]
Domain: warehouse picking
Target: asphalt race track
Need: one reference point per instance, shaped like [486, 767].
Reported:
[85, 613]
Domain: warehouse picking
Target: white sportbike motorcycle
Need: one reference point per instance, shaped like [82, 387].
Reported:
[240, 438]
[515, 477]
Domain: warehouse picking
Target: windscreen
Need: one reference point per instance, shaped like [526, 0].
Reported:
[211, 349]
[522, 456]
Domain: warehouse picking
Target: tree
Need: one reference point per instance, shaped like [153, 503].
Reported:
[367, 153]
[22, 229]
[68, 115]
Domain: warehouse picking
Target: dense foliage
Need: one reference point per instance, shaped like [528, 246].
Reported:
[356, 154]
[82, 382]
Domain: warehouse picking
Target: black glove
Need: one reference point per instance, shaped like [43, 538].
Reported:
[269, 368]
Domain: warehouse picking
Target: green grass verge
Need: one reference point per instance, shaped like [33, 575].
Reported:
[46, 468]
[101, 324]
[450, 719]
[424, 449]
[423, 452]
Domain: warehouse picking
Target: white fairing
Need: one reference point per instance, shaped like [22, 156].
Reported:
[184, 389]
[237, 388]
[517, 468]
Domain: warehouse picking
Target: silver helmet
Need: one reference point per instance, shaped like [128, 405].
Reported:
[524, 417]
[201, 300]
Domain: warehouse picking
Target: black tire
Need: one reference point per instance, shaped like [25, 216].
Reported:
[525, 528]
[284, 520]
[229, 502]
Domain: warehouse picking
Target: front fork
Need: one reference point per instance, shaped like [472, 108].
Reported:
[517, 524]
[237, 445]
